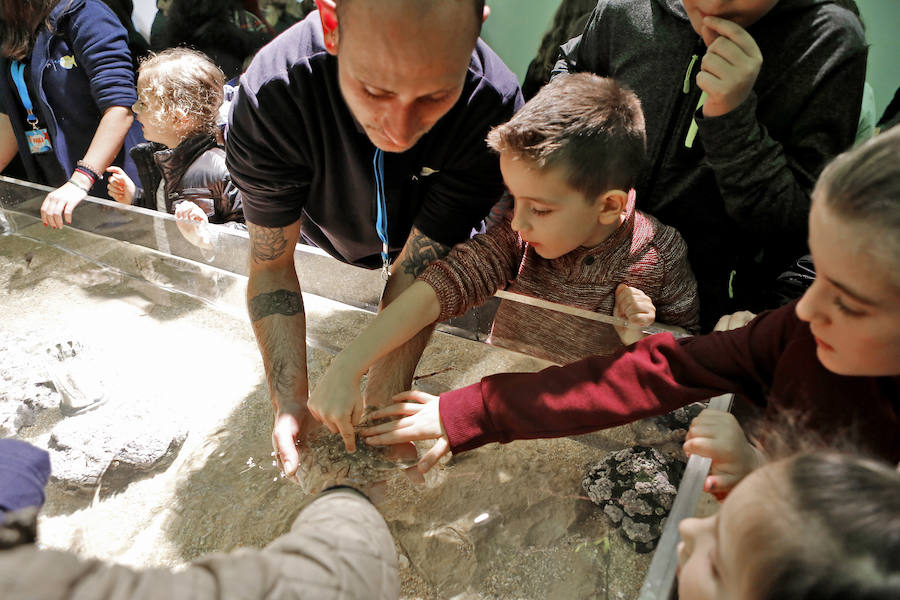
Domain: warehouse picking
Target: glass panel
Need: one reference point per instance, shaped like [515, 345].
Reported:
[122, 301]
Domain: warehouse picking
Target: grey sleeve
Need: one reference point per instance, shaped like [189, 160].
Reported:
[766, 183]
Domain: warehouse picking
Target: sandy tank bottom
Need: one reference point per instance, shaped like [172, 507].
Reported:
[508, 521]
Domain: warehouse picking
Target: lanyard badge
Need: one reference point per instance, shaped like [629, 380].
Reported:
[381, 218]
[38, 138]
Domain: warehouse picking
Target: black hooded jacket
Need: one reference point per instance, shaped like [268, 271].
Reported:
[195, 171]
[736, 186]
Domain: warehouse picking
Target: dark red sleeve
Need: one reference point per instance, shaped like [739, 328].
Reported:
[654, 376]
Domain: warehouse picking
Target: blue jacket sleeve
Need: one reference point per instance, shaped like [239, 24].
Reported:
[100, 44]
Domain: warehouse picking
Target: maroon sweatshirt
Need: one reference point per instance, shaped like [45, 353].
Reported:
[772, 361]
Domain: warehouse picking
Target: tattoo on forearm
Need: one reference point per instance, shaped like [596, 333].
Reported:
[281, 378]
[421, 251]
[266, 243]
[279, 302]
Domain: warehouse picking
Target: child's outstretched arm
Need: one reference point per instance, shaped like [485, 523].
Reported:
[336, 400]
[718, 436]
[420, 420]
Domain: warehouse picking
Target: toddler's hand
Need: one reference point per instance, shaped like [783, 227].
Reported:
[120, 186]
[635, 306]
[718, 436]
[189, 211]
[730, 66]
[337, 403]
[421, 421]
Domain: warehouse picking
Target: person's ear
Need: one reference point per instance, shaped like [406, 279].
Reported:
[485, 13]
[610, 206]
[328, 17]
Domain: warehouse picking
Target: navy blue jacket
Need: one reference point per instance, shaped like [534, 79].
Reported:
[73, 98]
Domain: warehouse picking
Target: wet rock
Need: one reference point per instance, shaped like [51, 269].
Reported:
[110, 449]
[635, 487]
[24, 391]
[670, 427]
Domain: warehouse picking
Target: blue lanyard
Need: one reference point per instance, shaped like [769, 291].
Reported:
[381, 219]
[17, 71]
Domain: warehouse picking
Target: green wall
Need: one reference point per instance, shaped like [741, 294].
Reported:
[882, 20]
[515, 28]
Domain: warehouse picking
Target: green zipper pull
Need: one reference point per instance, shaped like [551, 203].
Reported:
[686, 87]
[692, 130]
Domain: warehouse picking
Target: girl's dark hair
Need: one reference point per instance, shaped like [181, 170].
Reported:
[863, 186]
[19, 24]
[851, 507]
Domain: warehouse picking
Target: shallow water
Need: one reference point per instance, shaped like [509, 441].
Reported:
[505, 521]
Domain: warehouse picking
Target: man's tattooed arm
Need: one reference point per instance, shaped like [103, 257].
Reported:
[267, 243]
[419, 252]
[279, 302]
[276, 312]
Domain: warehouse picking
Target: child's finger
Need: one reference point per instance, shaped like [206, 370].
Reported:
[715, 65]
[403, 409]
[726, 51]
[735, 33]
[413, 396]
[349, 435]
[440, 448]
[703, 446]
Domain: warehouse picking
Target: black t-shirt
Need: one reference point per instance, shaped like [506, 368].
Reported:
[294, 149]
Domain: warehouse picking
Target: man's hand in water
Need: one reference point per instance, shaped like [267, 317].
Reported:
[291, 425]
[420, 420]
[730, 66]
[717, 435]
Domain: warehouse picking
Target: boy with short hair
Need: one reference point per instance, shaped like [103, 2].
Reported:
[745, 104]
[569, 158]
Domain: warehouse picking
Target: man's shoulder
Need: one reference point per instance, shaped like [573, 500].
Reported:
[299, 51]
[489, 72]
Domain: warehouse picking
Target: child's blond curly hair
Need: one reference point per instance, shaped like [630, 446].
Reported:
[184, 85]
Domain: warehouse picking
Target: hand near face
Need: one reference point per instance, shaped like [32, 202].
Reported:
[635, 306]
[730, 66]
[421, 420]
[717, 435]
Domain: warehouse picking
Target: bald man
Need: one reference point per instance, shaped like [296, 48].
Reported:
[365, 121]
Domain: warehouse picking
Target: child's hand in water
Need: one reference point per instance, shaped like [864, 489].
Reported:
[421, 420]
[730, 66]
[635, 306]
[717, 435]
[120, 186]
[337, 402]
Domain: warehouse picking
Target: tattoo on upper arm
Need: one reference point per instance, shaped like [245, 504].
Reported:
[279, 302]
[266, 243]
[420, 252]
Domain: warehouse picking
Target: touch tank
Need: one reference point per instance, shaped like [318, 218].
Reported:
[175, 462]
